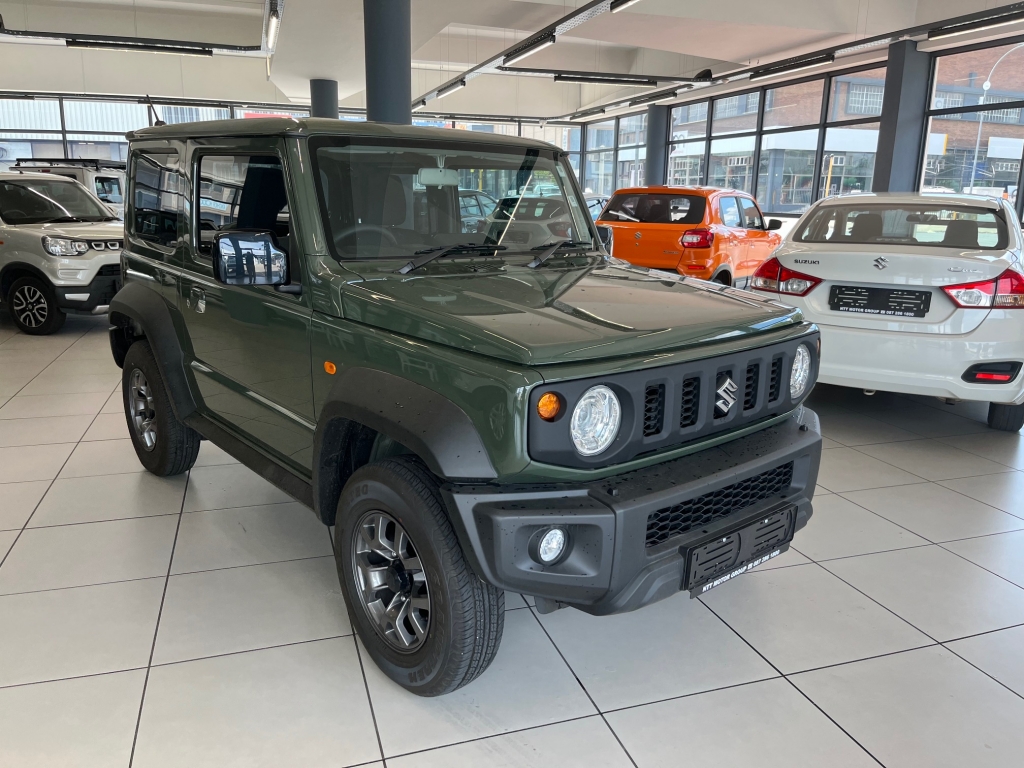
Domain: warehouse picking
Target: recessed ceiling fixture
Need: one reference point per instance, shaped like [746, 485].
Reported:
[621, 5]
[126, 45]
[451, 88]
[529, 49]
[790, 68]
[991, 22]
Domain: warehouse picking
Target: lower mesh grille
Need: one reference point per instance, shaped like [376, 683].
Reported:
[750, 393]
[690, 402]
[654, 410]
[109, 270]
[667, 522]
[775, 381]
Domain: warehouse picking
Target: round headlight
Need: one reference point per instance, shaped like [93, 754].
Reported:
[800, 374]
[595, 420]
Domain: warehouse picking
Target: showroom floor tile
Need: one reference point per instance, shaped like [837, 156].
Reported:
[197, 621]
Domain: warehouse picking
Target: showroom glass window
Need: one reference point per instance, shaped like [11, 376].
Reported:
[687, 147]
[599, 162]
[631, 151]
[975, 137]
[565, 137]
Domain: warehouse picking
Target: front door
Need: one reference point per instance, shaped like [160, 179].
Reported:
[732, 248]
[250, 343]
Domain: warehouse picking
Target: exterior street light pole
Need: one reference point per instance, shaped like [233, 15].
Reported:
[981, 115]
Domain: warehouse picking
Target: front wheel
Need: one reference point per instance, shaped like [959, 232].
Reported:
[424, 617]
[1006, 417]
[33, 306]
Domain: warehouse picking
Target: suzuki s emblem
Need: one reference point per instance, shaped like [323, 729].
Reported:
[881, 262]
[638, 235]
[726, 392]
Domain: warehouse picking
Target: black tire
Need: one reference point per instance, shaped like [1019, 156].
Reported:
[722, 277]
[33, 306]
[1007, 418]
[466, 616]
[174, 446]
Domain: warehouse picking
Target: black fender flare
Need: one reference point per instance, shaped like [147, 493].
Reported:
[424, 421]
[139, 306]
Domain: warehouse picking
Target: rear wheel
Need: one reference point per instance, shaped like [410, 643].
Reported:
[163, 444]
[424, 617]
[722, 277]
[1006, 417]
[33, 307]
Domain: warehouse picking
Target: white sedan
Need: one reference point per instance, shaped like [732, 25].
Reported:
[921, 294]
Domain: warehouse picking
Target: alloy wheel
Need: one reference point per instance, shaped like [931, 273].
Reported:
[143, 410]
[390, 580]
[30, 306]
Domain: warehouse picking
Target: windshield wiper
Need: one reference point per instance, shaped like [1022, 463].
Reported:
[552, 248]
[62, 220]
[430, 254]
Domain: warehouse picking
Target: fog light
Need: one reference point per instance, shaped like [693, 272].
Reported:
[551, 546]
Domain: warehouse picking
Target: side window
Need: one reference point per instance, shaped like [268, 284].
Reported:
[108, 189]
[751, 216]
[240, 192]
[157, 198]
[730, 211]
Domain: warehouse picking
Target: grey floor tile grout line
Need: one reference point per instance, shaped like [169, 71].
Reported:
[986, 674]
[979, 501]
[794, 685]
[1009, 469]
[71, 677]
[156, 629]
[78, 586]
[978, 565]
[369, 698]
[572, 671]
[54, 360]
[253, 650]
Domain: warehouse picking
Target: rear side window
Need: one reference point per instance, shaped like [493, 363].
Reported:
[925, 224]
[656, 209]
[240, 192]
[156, 198]
[730, 211]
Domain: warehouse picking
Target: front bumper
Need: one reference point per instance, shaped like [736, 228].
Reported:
[93, 298]
[613, 566]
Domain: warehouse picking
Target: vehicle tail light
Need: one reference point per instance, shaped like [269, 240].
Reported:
[697, 238]
[772, 276]
[1005, 291]
[560, 228]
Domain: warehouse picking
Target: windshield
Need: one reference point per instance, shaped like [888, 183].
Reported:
[391, 199]
[929, 224]
[656, 209]
[37, 201]
[108, 189]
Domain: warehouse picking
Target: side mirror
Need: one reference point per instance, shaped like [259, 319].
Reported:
[604, 234]
[249, 258]
[774, 224]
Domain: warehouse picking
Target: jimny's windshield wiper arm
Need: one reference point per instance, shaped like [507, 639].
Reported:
[427, 256]
[553, 248]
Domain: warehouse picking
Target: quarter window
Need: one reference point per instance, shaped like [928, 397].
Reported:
[157, 198]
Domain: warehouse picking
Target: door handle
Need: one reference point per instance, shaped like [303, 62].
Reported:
[197, 299]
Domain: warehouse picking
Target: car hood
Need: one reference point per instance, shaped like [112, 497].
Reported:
[564, 311]
[100, 230]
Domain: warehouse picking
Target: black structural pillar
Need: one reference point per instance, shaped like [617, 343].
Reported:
[656, 165]
[902, 128]
[386, 31]
[323, 98]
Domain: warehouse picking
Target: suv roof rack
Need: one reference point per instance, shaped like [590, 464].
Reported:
[78, 161]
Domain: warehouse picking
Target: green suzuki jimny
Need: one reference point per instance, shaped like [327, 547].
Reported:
[477, 400]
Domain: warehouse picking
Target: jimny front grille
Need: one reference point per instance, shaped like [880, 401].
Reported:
[668, 522]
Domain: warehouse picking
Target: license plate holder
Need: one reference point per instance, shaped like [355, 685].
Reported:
[713, 561]
[887, 302]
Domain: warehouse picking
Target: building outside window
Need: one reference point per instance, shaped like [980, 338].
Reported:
[970, 148]
[865, 99]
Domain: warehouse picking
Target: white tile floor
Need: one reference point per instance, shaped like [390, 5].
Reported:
[197, 621]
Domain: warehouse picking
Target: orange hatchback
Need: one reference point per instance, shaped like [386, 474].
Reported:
[713, 234]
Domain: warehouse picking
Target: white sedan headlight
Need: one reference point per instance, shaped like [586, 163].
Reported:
[800, 373]
[595, 421]
[62, 246]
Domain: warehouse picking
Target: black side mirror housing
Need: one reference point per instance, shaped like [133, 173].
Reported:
[249, 258]
[604, 234]
[774, 224]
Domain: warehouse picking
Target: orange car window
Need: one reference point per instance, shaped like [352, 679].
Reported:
[751, 216]
[730, 212]
[656, 209]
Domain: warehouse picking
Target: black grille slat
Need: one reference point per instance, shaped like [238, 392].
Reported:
[750, 391]
[654, 410]
[775, 380]
[667, 522]
[689, 403]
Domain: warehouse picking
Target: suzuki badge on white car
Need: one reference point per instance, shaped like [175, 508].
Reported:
[920, 294]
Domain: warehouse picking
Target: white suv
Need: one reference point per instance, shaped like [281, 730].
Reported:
[104, 178]
[60, 250]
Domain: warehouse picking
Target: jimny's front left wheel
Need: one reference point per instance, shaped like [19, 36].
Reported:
[425, 618]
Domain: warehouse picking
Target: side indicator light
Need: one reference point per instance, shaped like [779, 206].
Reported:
[330, 367]
[549, 406]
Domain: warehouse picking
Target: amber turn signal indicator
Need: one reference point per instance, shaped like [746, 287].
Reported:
[330, 367]
[549, 406]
